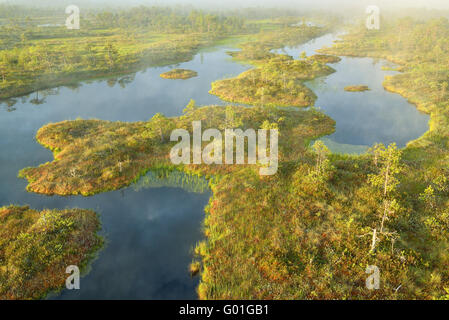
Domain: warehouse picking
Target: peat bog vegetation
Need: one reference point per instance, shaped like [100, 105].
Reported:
[359, 88]
[308, 232]
[278, 80]
[34, 58]
[36, 248]
[179, 74]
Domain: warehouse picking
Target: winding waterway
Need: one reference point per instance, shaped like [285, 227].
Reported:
[151, 229]
[362, 118]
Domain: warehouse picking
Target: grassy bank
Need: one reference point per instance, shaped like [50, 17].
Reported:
[107, 58]
[278, 80]
[93, 156]
[359, 88]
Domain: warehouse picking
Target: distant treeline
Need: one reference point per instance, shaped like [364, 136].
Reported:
[157, 19]
[8, 11]
[169, 20]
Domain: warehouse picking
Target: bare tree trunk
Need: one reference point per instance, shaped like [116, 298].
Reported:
[386, 203]
[384, 216]
[374, 240]
[387, 176]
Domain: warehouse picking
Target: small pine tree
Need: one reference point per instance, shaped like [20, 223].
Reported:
[160, 125]
[385, 181]
[322, 152]
[190, 108]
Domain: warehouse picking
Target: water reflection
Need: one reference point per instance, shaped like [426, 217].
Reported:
[151, 230]
[175, 179]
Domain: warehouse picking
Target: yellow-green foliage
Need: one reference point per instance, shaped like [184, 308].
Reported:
[359, 88]
[323, 58]
[259, 50]
[179, 74]
[305, 234]
[93, 156]
[278, 79]
[57, 62]
[279, 82]
[37, 247]
[35, 58]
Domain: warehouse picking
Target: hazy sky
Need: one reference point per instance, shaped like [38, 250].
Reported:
[329, 4]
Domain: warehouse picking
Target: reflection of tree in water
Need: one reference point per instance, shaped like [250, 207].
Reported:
[74, 86]
[319, 84]
[111, 82]
[122, 81]
[175, 179]
[126, 80]
[9, 104]
[37, 100]
[39, 96]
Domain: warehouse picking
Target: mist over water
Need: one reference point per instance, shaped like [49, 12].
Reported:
[330, 5]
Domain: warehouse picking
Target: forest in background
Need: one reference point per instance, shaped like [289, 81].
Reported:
[39, 52]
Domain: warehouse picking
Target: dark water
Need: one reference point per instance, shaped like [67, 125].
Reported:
[150, 236]
[151, 230]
